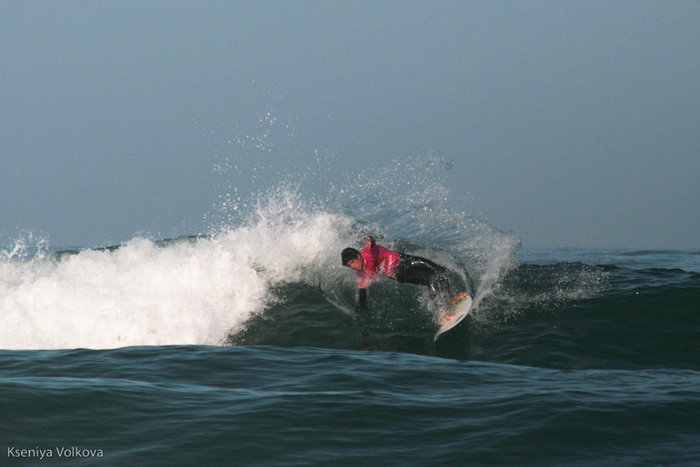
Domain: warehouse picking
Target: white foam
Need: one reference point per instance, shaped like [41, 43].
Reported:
[183, 293]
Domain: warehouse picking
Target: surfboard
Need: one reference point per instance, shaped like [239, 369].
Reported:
[454, 316]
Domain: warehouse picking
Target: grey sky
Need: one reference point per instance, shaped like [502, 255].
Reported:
[570, 123]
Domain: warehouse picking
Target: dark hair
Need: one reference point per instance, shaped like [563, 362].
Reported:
[348, 255]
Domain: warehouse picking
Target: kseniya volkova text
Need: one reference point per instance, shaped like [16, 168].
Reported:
[58, 451]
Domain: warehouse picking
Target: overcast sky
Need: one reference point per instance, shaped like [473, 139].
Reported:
[569, 123]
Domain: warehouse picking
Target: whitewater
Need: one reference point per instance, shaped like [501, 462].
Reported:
[185, 291]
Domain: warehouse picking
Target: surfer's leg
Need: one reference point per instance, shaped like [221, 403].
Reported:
[417, 270]
[439, 283]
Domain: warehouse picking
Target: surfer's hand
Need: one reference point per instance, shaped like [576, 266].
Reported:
[361, 301]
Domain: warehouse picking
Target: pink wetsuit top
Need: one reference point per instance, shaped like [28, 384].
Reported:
[378, 262]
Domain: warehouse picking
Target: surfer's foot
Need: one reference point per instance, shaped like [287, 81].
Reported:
[446, 319]
[456, 299]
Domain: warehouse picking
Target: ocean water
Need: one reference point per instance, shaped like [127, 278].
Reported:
[239, 347]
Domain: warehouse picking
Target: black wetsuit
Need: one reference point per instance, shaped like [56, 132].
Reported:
[417, 270]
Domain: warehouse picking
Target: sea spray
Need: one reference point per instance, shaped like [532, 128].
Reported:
[409, 200]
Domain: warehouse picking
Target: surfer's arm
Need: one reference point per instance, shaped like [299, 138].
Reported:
[361, 300]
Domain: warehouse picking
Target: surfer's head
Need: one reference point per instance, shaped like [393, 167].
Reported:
[352, 259]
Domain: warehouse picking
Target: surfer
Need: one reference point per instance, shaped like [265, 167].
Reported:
[376, 261]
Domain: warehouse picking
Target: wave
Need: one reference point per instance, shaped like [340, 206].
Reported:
[201, 290]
